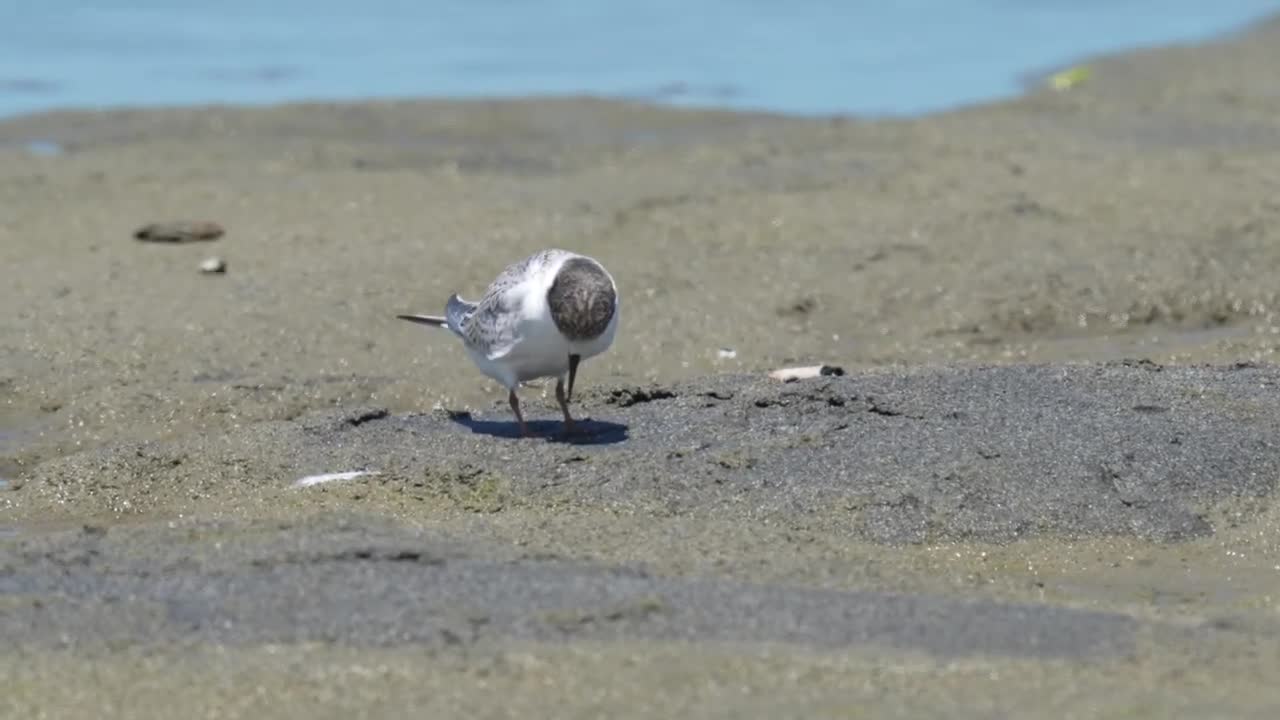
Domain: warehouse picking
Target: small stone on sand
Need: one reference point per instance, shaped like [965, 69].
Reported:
[210, 266]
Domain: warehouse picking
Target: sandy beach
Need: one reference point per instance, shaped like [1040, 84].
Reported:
[1044, 486]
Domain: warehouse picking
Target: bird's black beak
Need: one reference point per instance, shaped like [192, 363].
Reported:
[573, 372]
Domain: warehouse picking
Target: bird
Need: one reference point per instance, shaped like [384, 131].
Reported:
[540, 318]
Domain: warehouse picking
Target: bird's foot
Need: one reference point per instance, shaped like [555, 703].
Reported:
[573, 429]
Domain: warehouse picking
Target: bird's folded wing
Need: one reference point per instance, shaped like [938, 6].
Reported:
[493, 327]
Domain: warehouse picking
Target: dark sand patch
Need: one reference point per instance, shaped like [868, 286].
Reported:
[360, 585]
[978, 454]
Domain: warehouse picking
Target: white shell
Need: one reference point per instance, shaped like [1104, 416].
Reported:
[804, 373]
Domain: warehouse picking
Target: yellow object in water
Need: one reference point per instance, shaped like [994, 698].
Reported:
[1069, 78]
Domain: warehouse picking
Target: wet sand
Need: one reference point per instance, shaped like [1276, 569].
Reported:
[1044, 487]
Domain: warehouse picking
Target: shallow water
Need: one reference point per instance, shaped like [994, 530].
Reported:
[822, 56]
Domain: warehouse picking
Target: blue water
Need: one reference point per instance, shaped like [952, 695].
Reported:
[870, 57]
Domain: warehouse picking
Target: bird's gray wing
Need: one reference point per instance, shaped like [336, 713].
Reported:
[493, 327]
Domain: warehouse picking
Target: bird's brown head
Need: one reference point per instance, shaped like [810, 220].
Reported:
[582, 299]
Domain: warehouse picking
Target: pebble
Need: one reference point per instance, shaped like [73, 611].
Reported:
[213, 265]
[179, 231]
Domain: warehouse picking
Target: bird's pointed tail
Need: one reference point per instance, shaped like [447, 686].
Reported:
[456, 313]
[432, 320]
